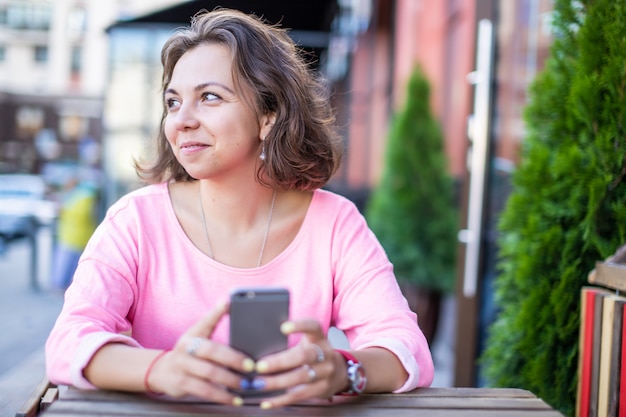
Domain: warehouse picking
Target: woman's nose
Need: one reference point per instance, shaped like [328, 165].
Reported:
[186, 118]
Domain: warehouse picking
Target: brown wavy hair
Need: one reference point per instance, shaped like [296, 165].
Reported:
[303, 149]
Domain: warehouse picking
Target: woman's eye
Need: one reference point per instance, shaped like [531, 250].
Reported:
[210, 97]
[170, 103]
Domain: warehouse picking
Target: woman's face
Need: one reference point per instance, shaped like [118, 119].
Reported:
[212, 130]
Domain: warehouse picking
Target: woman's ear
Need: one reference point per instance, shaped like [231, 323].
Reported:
[267, 122]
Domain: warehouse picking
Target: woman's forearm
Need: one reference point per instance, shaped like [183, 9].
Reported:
[383, 370]
[116, 366]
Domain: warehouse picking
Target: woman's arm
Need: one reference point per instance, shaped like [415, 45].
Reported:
[204, 372]
[383, 370]
[368, 304]
[117, 366]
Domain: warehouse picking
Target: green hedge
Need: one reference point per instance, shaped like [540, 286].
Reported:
[567, 209]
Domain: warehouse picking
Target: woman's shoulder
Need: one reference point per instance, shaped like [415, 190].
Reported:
[329, 200]
[330, 208]
[139, 199]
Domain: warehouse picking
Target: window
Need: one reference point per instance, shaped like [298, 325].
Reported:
[24, 15]
[41, 54]
[76, 59]
[77, 21]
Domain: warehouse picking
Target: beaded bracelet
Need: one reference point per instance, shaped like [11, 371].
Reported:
[149, 370]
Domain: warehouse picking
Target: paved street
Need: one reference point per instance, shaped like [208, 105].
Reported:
[27, 316]
[26, 319]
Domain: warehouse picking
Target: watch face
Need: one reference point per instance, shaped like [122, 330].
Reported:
[357, 377]
[359, 380]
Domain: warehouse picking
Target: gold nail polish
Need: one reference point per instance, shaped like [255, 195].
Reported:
[248, 365]
[237, 401]
[287, 327]
[266, 405]
[262, 366]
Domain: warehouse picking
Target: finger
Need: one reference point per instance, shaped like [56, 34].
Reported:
[313, 348]
[316, 389]
[286, 380]
[317, 376]
[213, 372]
[185, 375]
[320, 355]
[312, 332]
[304, 353]
[200, 350]
[202, 388]
[311, 328]
[311, 375]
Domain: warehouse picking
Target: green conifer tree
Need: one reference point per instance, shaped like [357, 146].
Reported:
[567, 209]
[412, 210]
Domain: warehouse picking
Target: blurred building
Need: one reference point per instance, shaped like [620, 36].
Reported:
[53, 74]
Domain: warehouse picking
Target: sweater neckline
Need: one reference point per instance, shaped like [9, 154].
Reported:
[202, 257]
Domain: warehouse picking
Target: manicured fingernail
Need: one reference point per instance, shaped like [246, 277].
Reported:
[248, 365]
[262, 366]
[287, 327]
[237, 401]
[258, 384]
[244, 384]
[266, 405]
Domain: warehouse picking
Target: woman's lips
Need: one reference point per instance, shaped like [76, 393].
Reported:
[192, 148]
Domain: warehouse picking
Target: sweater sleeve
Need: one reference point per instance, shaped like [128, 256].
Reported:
[97, 305]
[368, 304]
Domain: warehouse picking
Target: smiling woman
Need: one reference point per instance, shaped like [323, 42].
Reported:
[207, 114]
[247, 141]
[267, 72]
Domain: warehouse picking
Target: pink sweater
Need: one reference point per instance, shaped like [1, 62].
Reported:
[141, 272]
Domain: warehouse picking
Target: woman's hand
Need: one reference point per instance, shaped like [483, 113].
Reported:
[199, 366]
[311, 369]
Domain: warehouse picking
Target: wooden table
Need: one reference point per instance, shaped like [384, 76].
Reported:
[432, 402]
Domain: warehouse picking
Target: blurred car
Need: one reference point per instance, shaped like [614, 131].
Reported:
[23, 206]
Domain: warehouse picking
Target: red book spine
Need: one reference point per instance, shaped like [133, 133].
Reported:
[586, 351]
[622, 377]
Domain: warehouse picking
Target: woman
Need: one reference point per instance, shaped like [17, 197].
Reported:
[246, 143]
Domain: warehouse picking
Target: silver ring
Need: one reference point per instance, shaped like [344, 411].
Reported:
[192, 349]
[310, 372]
[319, 353]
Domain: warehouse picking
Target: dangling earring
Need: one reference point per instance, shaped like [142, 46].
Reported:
[262, 156]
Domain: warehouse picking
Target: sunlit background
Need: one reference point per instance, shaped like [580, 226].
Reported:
[80, 99]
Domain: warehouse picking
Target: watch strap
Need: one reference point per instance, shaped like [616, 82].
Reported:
[354, 365]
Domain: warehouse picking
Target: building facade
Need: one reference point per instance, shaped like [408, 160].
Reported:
[53, 75]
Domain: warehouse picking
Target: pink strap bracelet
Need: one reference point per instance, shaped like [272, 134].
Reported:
[149, 370]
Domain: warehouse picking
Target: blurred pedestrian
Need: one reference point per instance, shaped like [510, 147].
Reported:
[77, 222]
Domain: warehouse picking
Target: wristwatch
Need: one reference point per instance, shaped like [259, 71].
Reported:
[356, 374]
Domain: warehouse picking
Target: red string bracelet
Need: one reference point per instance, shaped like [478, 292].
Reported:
[149, 370]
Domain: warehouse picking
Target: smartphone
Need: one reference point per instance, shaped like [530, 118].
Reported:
[255, 318]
